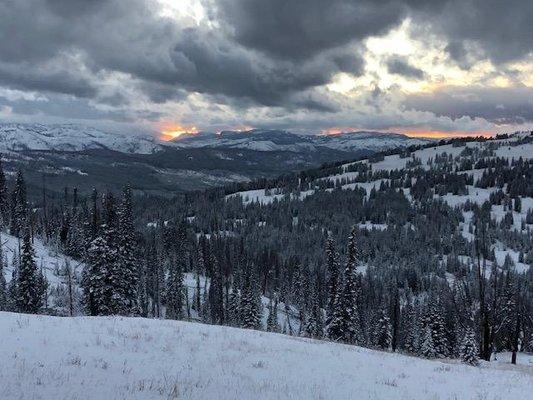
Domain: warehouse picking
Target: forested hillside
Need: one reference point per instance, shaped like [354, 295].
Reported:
[425, 250]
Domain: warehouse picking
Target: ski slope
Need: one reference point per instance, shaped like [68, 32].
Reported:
[53, 358]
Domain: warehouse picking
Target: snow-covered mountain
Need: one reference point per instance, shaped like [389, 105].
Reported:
[278, 140]
[69, 137]
[132, 358]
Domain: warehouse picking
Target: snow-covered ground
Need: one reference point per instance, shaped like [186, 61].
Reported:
[49, 261]
[52, 358]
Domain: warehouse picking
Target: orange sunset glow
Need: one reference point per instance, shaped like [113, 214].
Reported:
[425, 133]
[172, 131]
[441, 134]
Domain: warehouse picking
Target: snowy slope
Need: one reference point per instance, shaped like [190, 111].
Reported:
[125, 358]
[70, 137]
[49, 261]
[348, 180]
[274, 140]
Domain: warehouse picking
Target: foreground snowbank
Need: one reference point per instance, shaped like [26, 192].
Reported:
[125, 358]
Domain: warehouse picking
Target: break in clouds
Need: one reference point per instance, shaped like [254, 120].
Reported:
[303, 65]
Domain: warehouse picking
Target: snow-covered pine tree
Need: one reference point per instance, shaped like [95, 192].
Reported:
[4, 305]
[216, 293]
[174, 291]
[127, 266]
[272, 320]
[427, 348]
[3, 196]
[332, 268]
[438, 332]
[249, 309]
[96, 288]
[411, 330]
[29, 284]
[314, 327]
[383, 330]
[233, 317]
[345, 324]
[469, 350]
[18, 206]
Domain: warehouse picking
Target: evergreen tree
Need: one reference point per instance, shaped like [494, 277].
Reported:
[4, 304]
[411, 330]
[272, 320]
[97, 290]
[427, 348]
[126, 266]
[249, 310]
[18, 206]
[3, 196]
[345, 324]
[438, 332]
[332, 258]
[469, 350]
[233, 314]
[175, 292]
[315, 326]
[216, 293]
[29, 284]
[383, 330]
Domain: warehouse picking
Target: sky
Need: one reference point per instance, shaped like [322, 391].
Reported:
[419, 67]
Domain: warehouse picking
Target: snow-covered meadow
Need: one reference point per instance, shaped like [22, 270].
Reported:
[53, 358]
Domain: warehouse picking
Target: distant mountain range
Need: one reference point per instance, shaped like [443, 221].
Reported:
[68, 137]
[278, 140]
[85, 157]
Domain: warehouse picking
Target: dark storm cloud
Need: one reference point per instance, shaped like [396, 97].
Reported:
[498, 105]
[208, 63]
[274, 53]
[128, 37]
[401, 66]
[501, 28]
[58, 106]
[301, 29]
[37, 79]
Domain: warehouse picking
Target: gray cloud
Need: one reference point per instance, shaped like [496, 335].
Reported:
[499, 105]
[262, 54]
[501, 28]
[400, 66]
[304, 28]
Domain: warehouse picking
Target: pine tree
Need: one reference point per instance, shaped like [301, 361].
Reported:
[333, 278]
[175, 291]
[427, 348]
[233, 308]
[216, 293]
[126, 267]
[383, 330]
[29, 285]
[3, 196]
[345, 324]
[18, 206]
[469, 350]
[97, 290]
[438, 332]
[250, 309]
[4, 304]
[315, 326]
[411, 329]
[272, 320]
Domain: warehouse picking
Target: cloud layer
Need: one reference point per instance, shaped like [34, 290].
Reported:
[303, 65]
